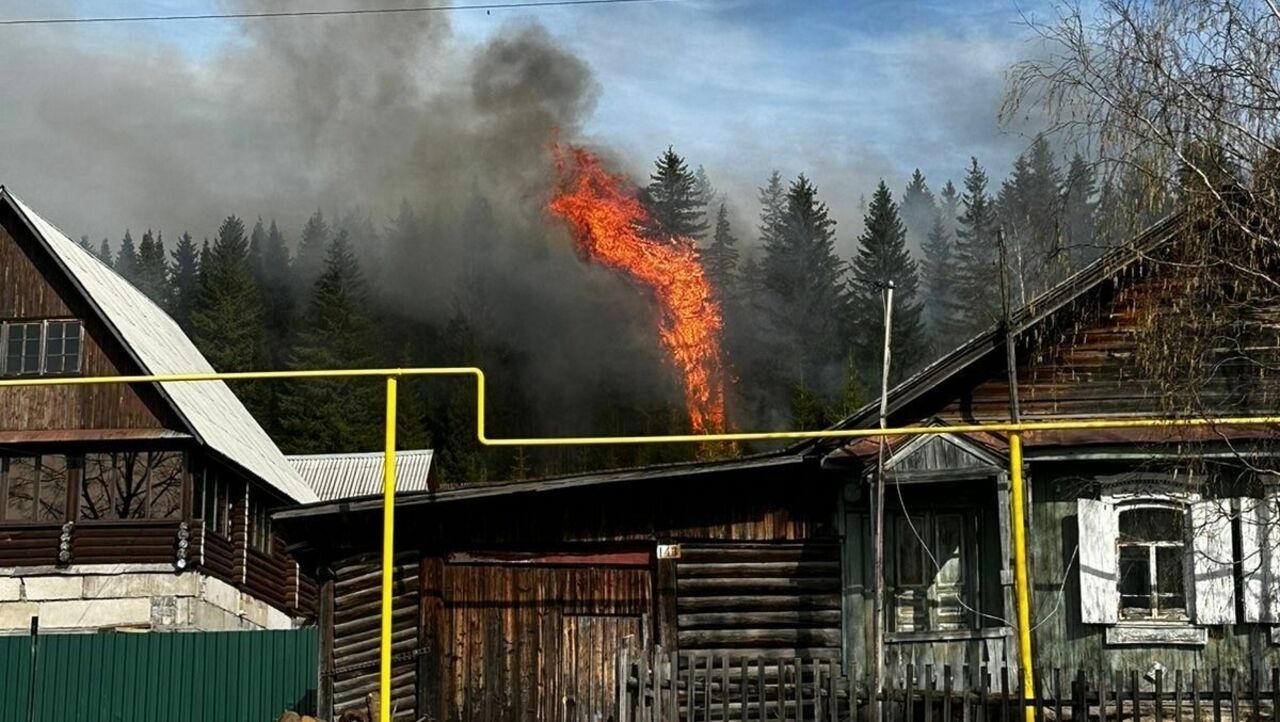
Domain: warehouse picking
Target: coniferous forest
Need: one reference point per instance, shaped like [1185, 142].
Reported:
[803, 326]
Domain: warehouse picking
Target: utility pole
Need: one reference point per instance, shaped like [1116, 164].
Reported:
[1017, 495]
[877, 499]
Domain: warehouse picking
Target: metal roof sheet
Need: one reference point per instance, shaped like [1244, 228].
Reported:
[160, 346]
[347, 476]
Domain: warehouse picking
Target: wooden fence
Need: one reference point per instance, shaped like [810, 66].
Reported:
[723, 688]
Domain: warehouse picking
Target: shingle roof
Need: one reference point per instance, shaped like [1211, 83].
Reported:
[347, 476]
[160, 346]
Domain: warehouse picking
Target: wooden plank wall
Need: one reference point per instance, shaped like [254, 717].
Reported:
[33, 288]
[772, 600]
[357, 602]
[524, 643]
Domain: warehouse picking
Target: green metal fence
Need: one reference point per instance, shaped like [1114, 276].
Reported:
[159, 677]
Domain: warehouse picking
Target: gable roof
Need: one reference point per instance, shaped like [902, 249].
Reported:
[348, 476]
[1038, 310]
[159, 346]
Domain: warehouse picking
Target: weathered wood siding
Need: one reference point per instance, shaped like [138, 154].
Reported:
[1062, 640]
[778, 600]
[1085, 362]
[525, 643]
[33, 288]
[355, 634]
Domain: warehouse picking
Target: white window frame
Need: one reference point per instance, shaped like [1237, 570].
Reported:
[1182, 614]
[1210, 594]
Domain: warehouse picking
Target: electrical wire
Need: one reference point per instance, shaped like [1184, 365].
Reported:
[316, 13]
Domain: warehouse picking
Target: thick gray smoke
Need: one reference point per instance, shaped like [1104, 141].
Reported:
[347, 113]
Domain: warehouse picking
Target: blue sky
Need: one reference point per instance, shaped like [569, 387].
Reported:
[846, 92]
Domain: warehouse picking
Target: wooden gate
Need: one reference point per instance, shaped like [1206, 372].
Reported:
[534, 638]
[589, 663]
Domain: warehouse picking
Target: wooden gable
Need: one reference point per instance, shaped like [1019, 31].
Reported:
[33, 287]
[942, 454]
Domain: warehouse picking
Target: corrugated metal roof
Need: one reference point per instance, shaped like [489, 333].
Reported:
[347, 476]
[161, 347]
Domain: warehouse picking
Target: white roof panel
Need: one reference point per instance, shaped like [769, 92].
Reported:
[161, 347]
[346, 476]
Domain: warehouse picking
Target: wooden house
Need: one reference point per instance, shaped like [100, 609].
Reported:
[1149, 549]
[142, 506]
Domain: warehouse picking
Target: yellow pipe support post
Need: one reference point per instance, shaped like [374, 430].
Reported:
[1022, 586]
[388, 551]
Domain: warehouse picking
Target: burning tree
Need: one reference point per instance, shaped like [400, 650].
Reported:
[607, 220]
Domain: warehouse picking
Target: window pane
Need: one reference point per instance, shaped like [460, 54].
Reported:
[22, 356]
[947, 548]
[53, 488]
[62, 347]
[97, 482]
[1135, 577]
[1171, 577]
[21, 504]
[1151, 525]
[130, 494]
[164, 469]
[221, 511]
[910, 556]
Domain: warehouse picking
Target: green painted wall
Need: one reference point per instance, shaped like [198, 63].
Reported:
[1061, 639]
[187, 676]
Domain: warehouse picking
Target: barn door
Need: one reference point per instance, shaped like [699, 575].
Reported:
[590, 645]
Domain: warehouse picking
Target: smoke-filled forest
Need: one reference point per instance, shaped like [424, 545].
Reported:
[802, 327]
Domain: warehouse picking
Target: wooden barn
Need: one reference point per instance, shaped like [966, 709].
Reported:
[144, 506]
[746, 585]
[514, 601]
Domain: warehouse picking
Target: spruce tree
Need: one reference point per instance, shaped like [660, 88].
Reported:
[773, 209]
[702, 184]
[152, 273]
[918, 210]
[308, 262]
[977, 295]
[227, 318]
[184, 279]
[85, 244]
[882, 258]
[1079, 206]
[720, 259]
[278, 303]
[805, 297]
[949, 206]
[257, 242]
[104, 253]
[675, 205]
[937, 276]
[330, 415]
[126, 263]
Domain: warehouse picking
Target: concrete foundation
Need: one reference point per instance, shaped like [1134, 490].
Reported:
[88, 598]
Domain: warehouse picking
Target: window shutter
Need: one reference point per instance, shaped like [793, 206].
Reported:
[1211, 562]
[1260, 560]
[1099, 529]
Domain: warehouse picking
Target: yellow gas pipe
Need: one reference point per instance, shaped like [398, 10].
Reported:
[1015, 431]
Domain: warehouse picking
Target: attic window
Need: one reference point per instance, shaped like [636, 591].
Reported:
[34, 348]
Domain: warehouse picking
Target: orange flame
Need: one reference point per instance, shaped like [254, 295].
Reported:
[606, 218]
